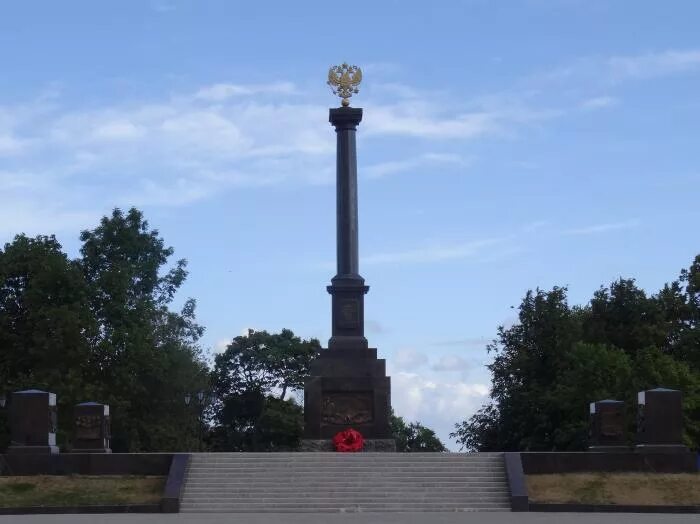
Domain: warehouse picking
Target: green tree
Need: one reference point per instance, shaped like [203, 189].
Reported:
[45, 322]
[414, 437]
[252, 377]
[146, 355]
[557, 359]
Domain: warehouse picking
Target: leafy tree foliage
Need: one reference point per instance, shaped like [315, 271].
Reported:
[100, 328]
[45, 321]
[146, 355]
[414, 436]
[252, 378]
[557, 359]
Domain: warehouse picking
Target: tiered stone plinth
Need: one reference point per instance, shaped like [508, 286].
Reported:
[348, 388]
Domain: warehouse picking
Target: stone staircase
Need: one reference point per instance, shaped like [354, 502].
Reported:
[345, 482]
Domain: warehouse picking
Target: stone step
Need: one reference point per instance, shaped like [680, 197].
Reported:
[344, 504]
[320, 484]
[345, 460]
[351, 457]
[344, 456]
[339, 482]
[331, 472]
[451, 486]
[336, 482]
[352, 499]
[203, 509]
[241, 489]
[312, 454]
[335, 508]
[348, 464]
[336, 469]
[349, 476]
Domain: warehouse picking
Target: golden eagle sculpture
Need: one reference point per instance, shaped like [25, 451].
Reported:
[344, 81]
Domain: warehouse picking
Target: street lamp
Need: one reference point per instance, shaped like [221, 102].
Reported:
[202, 399]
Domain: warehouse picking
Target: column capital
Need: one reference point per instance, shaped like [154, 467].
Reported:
[345, 117]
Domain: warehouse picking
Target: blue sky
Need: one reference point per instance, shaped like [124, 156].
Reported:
[505, 146]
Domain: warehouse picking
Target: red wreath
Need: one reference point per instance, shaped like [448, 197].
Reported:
[348, 440]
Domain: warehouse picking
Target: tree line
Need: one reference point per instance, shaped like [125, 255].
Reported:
[558, 358]
[101, 327]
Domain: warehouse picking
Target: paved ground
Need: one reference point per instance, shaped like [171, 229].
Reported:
[363, 518]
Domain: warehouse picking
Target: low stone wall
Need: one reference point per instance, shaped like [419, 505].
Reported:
[173, 466]
[87, 464]
[535, 463]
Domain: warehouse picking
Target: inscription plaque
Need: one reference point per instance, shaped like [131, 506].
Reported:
[88, 427]
[349, 313]
[611, 423]
[347, 408]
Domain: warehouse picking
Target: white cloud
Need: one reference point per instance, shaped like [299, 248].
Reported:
[374, 327]
[221, 92]
[433, 254]
[118, 130]
[479, 342]
[407, 121]
[654, 64]
[34, 218]
[163, 6]
[10, 145]
[178, 149]
[534, 226]
[452, 363]
[221, 345]
[409, 359]
[413, 164]
[602, 228]
[599, 102]
[436, 403]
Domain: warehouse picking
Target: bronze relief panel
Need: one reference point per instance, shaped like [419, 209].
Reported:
[347, 408]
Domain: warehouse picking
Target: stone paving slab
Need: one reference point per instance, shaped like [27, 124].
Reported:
[366, 518]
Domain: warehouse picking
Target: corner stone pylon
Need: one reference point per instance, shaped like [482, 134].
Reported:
[348, 387]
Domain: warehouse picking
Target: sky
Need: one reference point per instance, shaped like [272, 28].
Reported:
[505, 146]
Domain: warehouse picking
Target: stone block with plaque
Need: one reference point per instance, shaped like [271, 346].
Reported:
[660, 421]
[33, 422]
[607, 428]
[91, 432]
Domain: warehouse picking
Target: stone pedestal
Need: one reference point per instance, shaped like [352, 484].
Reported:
[33, 419]
[660, 421]
[348, 388]
[91, 428]
[607, 426]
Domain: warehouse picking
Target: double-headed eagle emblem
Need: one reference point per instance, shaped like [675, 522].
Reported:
[344, 81]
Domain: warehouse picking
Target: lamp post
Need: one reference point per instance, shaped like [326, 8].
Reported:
[201, 398]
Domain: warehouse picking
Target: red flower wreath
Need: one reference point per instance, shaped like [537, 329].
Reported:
[348, 440]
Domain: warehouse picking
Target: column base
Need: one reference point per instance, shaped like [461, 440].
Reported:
[387, 445]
